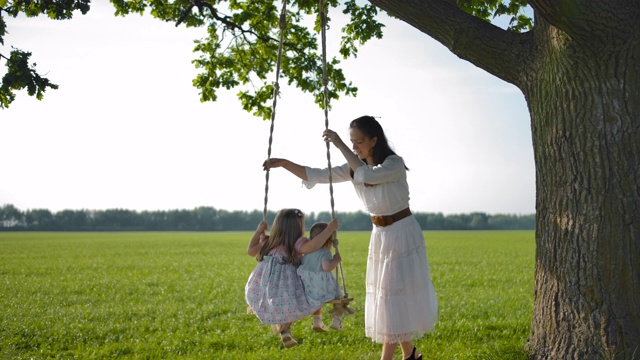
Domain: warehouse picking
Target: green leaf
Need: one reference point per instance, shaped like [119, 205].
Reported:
[20, 75]
[490, 9]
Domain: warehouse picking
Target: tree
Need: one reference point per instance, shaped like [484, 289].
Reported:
[71, 220]
[10, 216]
[39, 219]
[577, 67]
[579, 72]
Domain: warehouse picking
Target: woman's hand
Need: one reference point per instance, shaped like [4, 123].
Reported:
[331, 136]
[353, 159]
[273, 163]
[295, 169]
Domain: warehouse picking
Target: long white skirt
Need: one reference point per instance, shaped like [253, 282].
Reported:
[401, 303]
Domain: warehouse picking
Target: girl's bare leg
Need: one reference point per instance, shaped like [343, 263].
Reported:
[318, 325]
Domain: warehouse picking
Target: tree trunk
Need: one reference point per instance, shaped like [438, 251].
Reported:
[579, 70]
[585, 111]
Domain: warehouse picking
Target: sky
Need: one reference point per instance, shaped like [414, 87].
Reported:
[126, 128]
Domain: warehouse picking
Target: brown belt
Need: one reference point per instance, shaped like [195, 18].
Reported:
[386, 220]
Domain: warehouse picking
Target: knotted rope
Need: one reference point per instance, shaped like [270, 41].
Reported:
[276, 92]
[341, 307]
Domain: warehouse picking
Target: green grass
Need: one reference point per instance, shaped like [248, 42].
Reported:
[181, 296]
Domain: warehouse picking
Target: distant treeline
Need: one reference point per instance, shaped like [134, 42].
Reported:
[211, 219]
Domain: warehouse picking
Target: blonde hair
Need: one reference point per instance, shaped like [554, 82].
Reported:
[288, 227]
[316, 229]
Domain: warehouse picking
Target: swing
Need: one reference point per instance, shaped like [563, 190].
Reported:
[341, 302]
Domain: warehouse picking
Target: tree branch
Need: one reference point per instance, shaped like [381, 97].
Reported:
[222, 19]
[502, 53]
[578, 19]
[555, 12]
[231, 26]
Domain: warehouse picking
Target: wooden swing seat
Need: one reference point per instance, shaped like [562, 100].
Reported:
[340, 301]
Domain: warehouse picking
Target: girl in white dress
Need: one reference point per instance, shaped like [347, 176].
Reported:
[320, 285]
[401, 304]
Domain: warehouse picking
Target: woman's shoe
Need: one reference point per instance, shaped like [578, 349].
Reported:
[413, 355]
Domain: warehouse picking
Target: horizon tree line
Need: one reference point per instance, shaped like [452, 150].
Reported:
[205, 218]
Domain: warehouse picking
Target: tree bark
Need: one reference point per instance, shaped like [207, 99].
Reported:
[585, 112]
[579, 70]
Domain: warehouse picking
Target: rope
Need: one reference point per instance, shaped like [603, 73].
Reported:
[276, 92]
[325, 83]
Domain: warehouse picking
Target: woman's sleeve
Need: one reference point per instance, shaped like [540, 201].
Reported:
[321, 176]
[390, 170]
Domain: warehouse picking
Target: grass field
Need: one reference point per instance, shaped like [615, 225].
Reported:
[181, 296]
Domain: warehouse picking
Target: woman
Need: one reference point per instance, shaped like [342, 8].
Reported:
[401, 304]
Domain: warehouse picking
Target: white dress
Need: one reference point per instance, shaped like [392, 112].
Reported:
[401, 303]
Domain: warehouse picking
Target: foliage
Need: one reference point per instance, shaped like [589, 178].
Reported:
[241, 46]
[20, 73]
[489, 9]
[210, 219]
[150, 295]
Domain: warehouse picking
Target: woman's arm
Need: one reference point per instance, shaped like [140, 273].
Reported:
[317, 242]
[353, 159]
[295, 169]
[258, 239]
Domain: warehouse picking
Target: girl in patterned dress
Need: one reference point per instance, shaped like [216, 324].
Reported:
[320, 285]
[274, 291]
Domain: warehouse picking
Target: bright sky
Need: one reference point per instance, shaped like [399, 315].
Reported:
[126, 128]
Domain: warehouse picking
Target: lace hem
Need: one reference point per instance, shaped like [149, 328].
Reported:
[393, 338]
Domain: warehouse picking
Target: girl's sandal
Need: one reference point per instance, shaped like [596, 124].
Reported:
[320, 328]
[288, 340]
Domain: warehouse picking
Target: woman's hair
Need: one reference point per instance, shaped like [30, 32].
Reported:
[371, 128]
[316, 229]
[288, 227]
